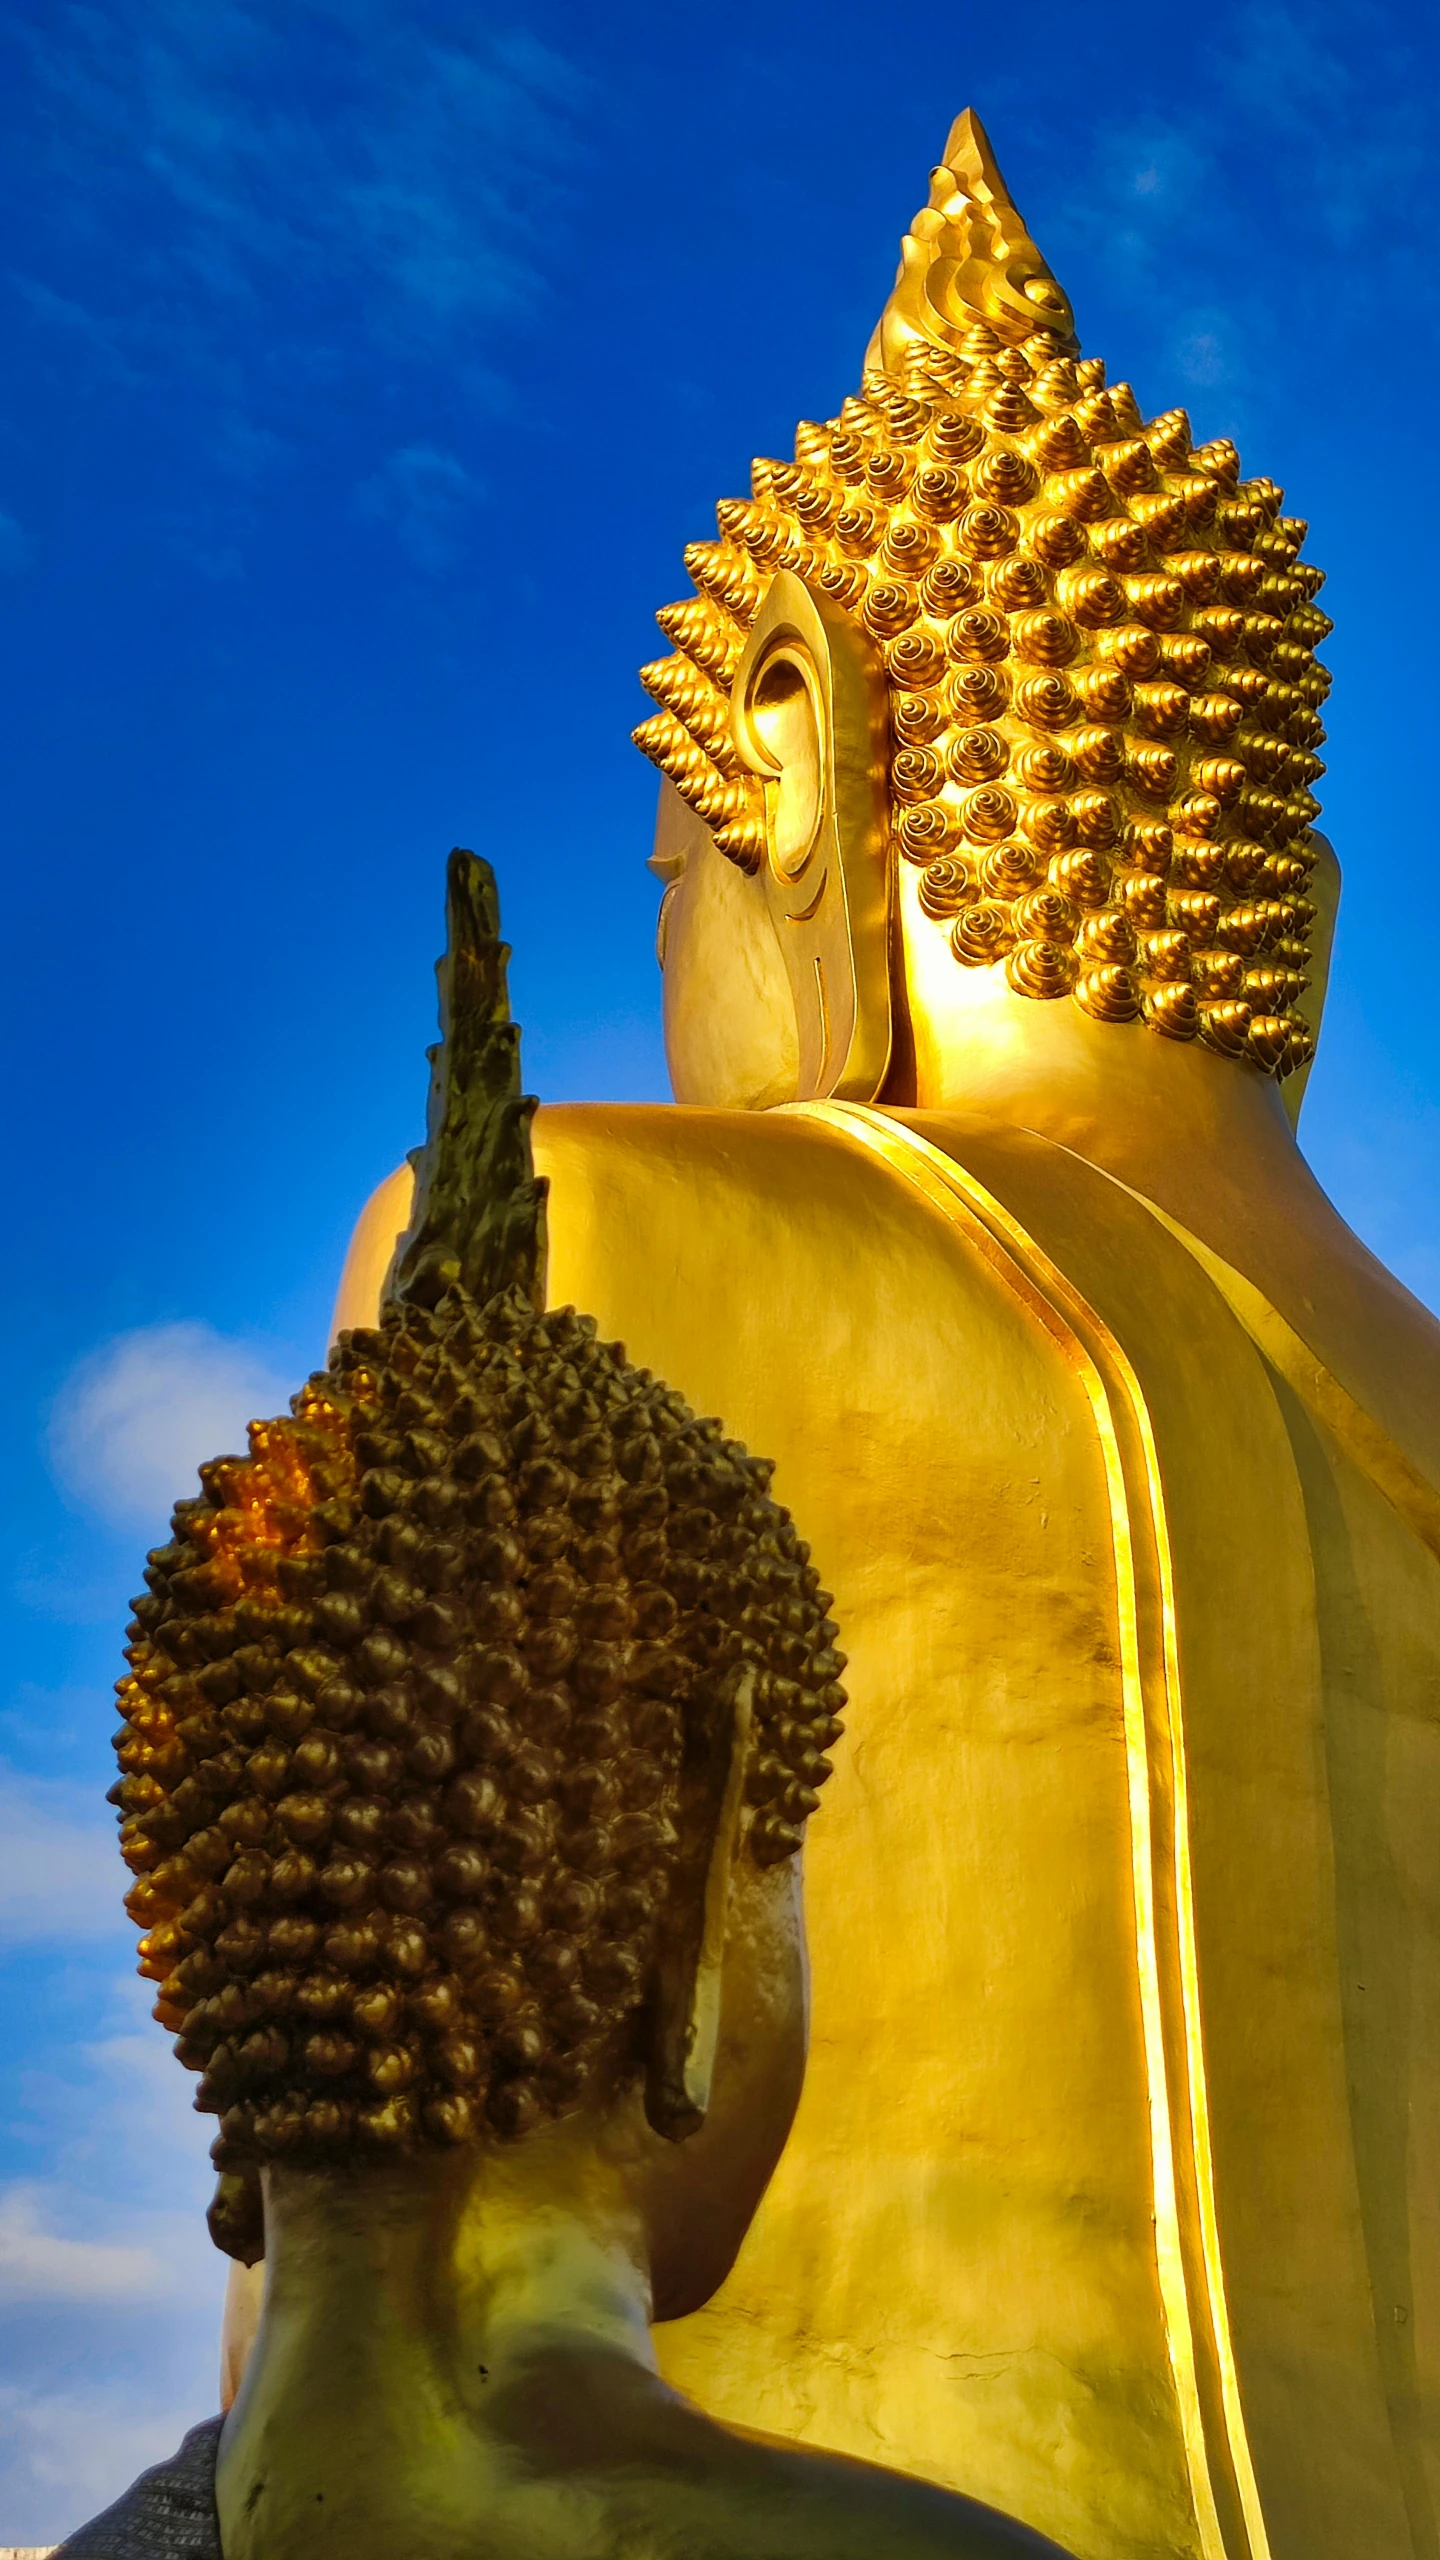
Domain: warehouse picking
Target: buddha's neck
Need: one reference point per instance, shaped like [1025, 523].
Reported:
[403, 2308]
[1207, 1140]
[1201, 1134]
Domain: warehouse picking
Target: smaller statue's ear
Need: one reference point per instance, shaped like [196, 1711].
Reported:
[236, 2218]
[685, 2013]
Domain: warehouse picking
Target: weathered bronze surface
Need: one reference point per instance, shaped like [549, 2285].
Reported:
[1112, 2190]
[454, 2357]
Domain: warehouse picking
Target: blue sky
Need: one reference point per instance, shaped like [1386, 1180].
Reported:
[368, 366]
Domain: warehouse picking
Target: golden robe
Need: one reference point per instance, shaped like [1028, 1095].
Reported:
[1113, 2194]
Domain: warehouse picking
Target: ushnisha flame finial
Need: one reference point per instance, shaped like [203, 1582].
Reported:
[968, 258]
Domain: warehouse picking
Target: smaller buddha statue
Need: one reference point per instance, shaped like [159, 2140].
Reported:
[474, 1720]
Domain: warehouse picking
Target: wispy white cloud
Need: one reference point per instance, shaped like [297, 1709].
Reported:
[1148, 198]
[65, 2455]
[1256, 182]
[137, 1417]
[1211, 354]
[411, 200]
[1289, 63]
[107, 2242]
[333, 218]
[99, 337]
[425, 496]
[1160, 168]
[122, 2105]
[1202, 358]
[37, 1719]
[40, 2264]
[60, 1876]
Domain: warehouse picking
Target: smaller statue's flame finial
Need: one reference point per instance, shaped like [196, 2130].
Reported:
[968, 259]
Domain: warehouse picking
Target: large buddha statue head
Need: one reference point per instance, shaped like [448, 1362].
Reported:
[998, 702]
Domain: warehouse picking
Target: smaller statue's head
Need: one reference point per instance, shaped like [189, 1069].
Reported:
[998, 690]
[474, 1719]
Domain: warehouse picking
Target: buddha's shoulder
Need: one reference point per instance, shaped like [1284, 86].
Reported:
[884, 1219]
[768, 1215]
[812, 1275]
[760, 1235]
[707, 1198]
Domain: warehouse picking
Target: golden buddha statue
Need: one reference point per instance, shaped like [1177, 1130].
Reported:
[994, 937]
[473, 1723]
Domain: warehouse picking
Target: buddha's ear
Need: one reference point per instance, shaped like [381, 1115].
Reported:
[782, 728]
[808, 716]
[685, 2013]
[236, 2217]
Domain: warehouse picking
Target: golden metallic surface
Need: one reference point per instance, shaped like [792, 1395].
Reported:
[927, 2212]
[805, 711]
[794, 1002]
[967, 258]
[1088, 647]
[957, 2201]
[730, 1029]
[397, 2295]
[1112, 2192]
[1117, 2154]
[451, 1704]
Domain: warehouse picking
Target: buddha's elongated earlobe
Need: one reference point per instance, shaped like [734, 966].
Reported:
[236, 2218]
[690, 1954]
[807, 719]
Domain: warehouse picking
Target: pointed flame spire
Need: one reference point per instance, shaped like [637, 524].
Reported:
[968, 259]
